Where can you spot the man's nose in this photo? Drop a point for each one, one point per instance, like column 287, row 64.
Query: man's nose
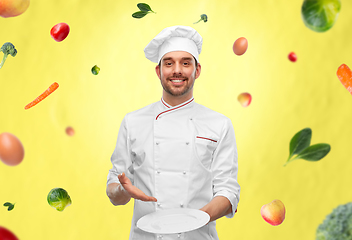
column 177, row 68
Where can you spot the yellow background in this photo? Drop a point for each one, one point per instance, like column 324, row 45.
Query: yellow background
column 287, row 97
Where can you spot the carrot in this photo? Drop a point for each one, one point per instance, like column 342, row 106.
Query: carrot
column 47, row 92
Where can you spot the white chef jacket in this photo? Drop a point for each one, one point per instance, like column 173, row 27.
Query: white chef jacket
column 182, row 155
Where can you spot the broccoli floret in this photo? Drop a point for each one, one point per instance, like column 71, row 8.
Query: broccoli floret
column 337, row 225
column 203, row 17
column 7, row 48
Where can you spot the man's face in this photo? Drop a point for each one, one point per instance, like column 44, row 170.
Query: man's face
column 177, row 73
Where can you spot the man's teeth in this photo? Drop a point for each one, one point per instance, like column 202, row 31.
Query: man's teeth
column 177, row 80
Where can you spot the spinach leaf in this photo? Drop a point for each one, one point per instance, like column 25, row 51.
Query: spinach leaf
column 144, row 10
column 300, row 149
column 139, row 14
column 300, row 141
column 315, row 152
column 9, row 205
column 144, row 7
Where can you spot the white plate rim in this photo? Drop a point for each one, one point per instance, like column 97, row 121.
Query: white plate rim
column 146, row 221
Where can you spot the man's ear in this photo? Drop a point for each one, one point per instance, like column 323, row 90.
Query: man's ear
column 198, row 70
column 157, row 70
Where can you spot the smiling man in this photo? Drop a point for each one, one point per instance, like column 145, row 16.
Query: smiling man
column 179, row 71
column 175, row 153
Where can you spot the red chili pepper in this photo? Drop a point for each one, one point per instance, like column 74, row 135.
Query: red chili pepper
column 60, row 31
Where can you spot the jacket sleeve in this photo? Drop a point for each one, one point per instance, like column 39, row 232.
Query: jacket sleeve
column 121, row 158
column 225, row 167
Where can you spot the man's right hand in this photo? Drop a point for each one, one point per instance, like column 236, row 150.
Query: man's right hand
column 133, row 191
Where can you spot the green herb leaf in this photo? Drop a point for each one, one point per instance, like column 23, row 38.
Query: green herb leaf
column 144, row 7
column 9, row 205
column 300, row 141
column 139, row 14
column 315, row 152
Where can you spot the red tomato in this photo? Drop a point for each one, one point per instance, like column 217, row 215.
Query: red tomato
column 292, row 56
column 6, row 234
column 60, row 31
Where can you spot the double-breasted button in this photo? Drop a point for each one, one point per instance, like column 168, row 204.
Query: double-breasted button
column 157, row 171
column 157, row 143
column 181, row 204
column 159, row 204
column 187, row 143
column 184, row 172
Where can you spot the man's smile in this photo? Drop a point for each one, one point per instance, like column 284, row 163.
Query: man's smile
column 177, row 81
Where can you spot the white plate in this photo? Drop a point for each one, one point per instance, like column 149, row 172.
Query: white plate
column 175, row 220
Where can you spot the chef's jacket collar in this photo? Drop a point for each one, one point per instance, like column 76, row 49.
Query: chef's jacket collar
column 165, row 104
column 167, row 108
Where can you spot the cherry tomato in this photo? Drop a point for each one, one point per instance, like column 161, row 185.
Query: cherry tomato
column 60, row 31
column 292, row 56
column 5, row 234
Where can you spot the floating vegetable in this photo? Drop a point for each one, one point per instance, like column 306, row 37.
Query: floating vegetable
column 42, row 96
column 13, row 8
column 292, row 57
column 203, row 17
column 240, row 46
column 337, row 225
column 95, row 70
column 11, row 149
column 320, row 15
column 144, row 10
column 8, row 49
column 59, row 199
column 6, row 234
column 344, row 74
column 60, row 31
column 299, row 146
column 9, row 205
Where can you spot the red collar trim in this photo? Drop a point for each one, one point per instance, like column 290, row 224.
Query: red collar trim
column 174, row 108
column 164, row 103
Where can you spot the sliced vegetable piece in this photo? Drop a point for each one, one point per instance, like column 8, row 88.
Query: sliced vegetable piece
column 344, row 74
column 42, row 96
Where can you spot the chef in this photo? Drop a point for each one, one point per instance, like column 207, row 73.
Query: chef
column 175, row 153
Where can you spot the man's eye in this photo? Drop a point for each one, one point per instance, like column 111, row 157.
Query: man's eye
column 185, row 63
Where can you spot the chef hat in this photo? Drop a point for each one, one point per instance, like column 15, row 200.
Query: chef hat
column 175, row 38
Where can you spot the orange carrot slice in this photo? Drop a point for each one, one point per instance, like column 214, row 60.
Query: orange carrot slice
column 42, row 96
column 345, row 76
